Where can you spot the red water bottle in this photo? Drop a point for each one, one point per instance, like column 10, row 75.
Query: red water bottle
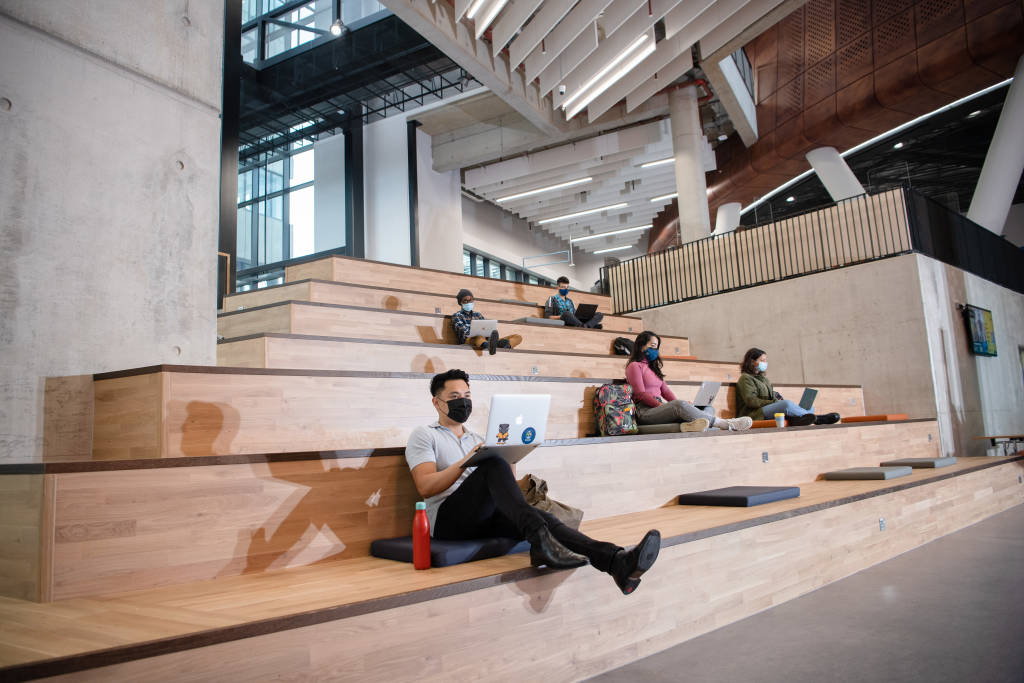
column 421, row 538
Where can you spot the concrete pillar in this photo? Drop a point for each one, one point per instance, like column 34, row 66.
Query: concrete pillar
column 688, row 147
column 835, row 175
column 728, row 218
column 1003, row 163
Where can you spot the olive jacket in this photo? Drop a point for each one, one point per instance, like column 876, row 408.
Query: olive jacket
column 753, row 392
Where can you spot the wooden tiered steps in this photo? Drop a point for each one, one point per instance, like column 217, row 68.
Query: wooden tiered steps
column 378, row 274
column 146, row 523
column 346, row 294
column 173, row 410
column 375, row 620
column 333, row 320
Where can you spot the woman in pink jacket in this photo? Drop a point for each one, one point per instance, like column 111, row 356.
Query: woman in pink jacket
column 655, row 402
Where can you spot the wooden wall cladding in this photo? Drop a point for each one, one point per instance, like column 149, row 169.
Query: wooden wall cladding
column 837, row 72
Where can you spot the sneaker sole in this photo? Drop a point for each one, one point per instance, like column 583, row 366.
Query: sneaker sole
column 698, row 425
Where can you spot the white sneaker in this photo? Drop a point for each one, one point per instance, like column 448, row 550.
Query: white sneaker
column 739, row 424
column 698, row 425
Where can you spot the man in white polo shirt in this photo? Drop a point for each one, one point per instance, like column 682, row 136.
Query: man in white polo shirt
column 486, row 502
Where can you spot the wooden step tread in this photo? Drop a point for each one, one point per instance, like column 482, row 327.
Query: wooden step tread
column 80, row 634
column 75, row 466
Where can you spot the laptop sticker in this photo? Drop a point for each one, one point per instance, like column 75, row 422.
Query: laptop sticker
column 529, row 434
column 502, row 434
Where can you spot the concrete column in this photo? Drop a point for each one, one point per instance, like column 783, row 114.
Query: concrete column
column 728, row 218
column 835, row 175
column 1003, row 163
column 688, row 147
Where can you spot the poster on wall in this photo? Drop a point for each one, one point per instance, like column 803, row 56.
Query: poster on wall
column 981, row 335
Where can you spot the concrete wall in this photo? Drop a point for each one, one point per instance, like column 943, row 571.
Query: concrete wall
column 974, row 395
column 860, row 325
column 386, row 191
column 439, row 211
column 109, row 195
column 1014, row 228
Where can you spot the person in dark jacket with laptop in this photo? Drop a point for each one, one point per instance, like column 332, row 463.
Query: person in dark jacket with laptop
column 757, row 399
column 486, row 502
column 462, row 321
column 560, row 306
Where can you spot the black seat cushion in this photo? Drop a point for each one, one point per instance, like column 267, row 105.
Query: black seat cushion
column 447, row 553
column 740, row 496
column 920, row 462
column 868, row 473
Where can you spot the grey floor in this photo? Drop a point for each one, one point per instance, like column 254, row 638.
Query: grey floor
column 952, row 610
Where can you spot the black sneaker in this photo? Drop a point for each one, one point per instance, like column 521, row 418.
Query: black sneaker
column 492, row 343
column 827, row 419
column 801, row 421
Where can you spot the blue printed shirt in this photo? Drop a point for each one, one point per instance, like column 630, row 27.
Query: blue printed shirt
column 461, row 322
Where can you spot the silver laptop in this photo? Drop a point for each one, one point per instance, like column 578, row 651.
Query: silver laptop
column 516, row 425
column 807, row 400
column 482, row 328
column 706, row 394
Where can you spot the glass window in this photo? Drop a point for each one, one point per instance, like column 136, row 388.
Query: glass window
column 533, row 280
column 351, row 10
column 494, row 270
column 302, row 168
column 316, row 14
column 300, row 217
column 467, row 263
column 510, row 274
column 478, row 266
column 250, row 46
column 275, row 177
column 244, row 228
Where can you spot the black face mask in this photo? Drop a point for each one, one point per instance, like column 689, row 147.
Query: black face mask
column 459, row 409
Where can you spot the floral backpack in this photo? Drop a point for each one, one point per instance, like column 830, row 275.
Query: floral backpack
column 614, row 410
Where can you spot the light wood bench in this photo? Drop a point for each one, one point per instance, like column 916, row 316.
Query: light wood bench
column 847, row 418
column 331, row 320
column 142, row 524
column 172, row 411
column 379, row 274
column 711, row 572
column 325, row 292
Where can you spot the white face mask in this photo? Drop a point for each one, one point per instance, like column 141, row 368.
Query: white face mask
column 762, row 366
column 467, row 307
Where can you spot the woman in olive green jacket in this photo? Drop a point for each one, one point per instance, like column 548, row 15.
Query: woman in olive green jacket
column 757, row 399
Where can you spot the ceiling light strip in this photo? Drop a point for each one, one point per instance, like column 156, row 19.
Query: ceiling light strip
column 609, row 233
column 596, row 78
column 644, row 53
column 474, row 8
column 488, row 17
column 610, row 207
column 605, row 251
column 664, row 197
column 659, row 162
column 549, row 188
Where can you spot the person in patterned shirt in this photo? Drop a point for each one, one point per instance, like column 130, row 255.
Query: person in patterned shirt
column 462, row 320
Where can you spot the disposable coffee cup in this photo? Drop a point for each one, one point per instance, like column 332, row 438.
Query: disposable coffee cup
column 780, row 420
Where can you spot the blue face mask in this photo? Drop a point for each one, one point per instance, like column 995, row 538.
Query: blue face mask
column 467, row 307
column 762, row 367
column 563, row 292
column 652, row 354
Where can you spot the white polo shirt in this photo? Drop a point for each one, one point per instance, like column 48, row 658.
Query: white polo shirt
column 437, row 444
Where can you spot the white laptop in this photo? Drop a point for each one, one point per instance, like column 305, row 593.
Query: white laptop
column 516, row 425
column 706, row 394
column 482, row 328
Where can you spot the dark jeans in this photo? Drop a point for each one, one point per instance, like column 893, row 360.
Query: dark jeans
column 572, row 321
column 490, row 504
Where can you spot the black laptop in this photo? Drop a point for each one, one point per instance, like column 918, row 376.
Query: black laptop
column 585, row 312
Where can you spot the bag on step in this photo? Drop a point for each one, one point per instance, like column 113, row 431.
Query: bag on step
column 535, row 491
column 614, row 410
column 622, row 346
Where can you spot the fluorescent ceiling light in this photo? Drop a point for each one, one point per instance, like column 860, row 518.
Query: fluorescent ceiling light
column 879, row 138
column 659, row 162
column 661, row 198
column 474, row 8
column 549, row 188
column 605, row 251
column 790, row 198
column 587, row 95
column 620, row 205
column 610, row 232
column 898, row 145
column 487, row 18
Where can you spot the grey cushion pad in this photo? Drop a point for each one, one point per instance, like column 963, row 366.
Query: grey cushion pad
column 540, row 321
column 740, row 496
column 670, row 428
column 447, row 553
column 869, row 473
column 920, row 462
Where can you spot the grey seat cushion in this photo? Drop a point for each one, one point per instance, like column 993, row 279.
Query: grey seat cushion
column 920, row 462
column 740, row 496
column 670, row 428
column 868, row 473
column 447, row 553
column 540, row 321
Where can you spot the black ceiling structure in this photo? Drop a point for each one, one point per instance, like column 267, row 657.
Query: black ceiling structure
column 365, row 74
column 940, row 157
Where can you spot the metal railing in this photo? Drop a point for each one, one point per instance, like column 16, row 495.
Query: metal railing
column 858, row 230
